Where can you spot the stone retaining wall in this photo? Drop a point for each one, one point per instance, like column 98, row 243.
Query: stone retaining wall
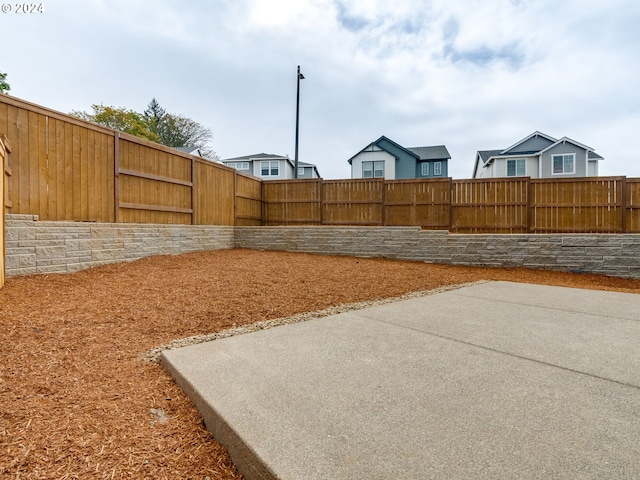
column 609, row 254
column 62, row 247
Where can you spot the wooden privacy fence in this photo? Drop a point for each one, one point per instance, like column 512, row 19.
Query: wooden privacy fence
column 69, row 169
column 64, row 168
column 518, row 205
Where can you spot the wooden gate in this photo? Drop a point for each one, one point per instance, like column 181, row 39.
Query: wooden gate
column 5, row 168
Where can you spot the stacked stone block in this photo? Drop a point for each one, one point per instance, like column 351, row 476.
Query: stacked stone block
column 609, row 254
column 62, row 247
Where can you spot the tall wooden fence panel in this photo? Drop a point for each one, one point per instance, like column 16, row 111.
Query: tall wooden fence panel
column 63, row 167
column 154, row 183
column 418, row 202
column 248, row 200
column 292, row 202
column 589, row 205
column 489, row 206
column 5, row 150
column 353, row 202
column 632, row 216
column 214, row 194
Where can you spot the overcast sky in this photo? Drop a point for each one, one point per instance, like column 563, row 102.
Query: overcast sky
column 469, row 74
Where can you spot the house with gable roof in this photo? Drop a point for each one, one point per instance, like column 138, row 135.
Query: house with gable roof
column 271, row 167
column 538, row 156
column 384, row 158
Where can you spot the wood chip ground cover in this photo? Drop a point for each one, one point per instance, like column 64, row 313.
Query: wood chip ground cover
column 78, row 399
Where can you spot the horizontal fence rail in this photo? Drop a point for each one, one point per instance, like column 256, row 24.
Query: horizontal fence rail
column 62, row 168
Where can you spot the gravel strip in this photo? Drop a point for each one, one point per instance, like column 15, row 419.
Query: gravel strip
column 153, row 355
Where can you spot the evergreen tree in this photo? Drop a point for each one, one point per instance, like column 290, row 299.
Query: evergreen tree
column 4, row 86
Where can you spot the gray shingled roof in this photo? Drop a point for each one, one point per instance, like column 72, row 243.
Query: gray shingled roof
column 256, row 156
column 435, row 152
column 486, row 154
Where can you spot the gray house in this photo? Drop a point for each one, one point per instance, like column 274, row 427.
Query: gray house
column 538, row 156
column 384, row 158
column 271, row 167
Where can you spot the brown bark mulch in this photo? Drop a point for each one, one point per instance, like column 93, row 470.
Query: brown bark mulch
column 77, row 401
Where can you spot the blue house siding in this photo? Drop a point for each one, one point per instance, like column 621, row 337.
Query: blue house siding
column 405, row 162
column 443, row 169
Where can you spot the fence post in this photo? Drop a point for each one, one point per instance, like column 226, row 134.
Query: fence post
column 116, row 176
column 263, row 204
column 384, row 206
column 624, row 204
column 321, row 193
column 193, row 190
column 450, row 204
column 5, row 149
column 528, row 208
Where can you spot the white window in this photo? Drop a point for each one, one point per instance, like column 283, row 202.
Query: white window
column 437, row 169
column 373, row 169
column 300, row 171
column 563, row 164
column 239, row 165
column 425, row 169
column 270, row 169
column 516, row 167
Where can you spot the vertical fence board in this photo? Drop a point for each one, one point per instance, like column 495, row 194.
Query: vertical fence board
column 352, row 202
column 633, row 205
column 292, row 202
column 423, row 203
column 489, row 206
column 248, row 200
column 154, row 184
column 214, row 194
column 584, row 205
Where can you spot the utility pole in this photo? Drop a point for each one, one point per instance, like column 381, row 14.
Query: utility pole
column 300, row 77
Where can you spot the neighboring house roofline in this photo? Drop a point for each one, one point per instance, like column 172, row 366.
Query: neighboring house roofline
column 256, row 156
column 432, row 152
column 483, row 155
column 397, row 145
column 413, row 154
column 484, row 158
column 309, row 165
column 513, row 155
column 567, row 140
column 486, row 155
column 189, row 150
column 536, row 133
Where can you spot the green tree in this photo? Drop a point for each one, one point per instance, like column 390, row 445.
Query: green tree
column 4, row 86
column 121, row 119
column 154, row 115
column 178, row 131
column 154, row 124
